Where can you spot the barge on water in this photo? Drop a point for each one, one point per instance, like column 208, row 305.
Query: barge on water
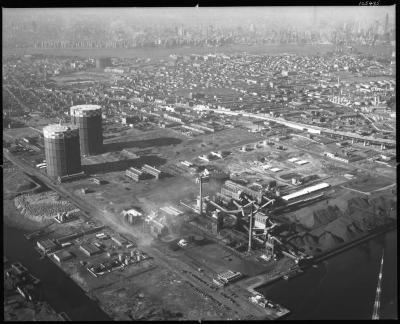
column 292, row 273
column 33, row 235
column 273, row 310
column 24, row 282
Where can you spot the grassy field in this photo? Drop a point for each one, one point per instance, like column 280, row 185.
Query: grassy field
column 369, row 183
column 19, row 133
column 82, row 76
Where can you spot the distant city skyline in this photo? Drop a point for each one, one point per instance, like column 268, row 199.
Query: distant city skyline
column 216, row 15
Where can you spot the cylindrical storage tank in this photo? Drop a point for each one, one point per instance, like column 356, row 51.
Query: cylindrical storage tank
column 88, row 119
column 62, row 149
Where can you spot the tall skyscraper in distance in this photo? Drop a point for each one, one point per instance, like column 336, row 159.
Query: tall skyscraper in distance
column 386, row 26
column 314, row 17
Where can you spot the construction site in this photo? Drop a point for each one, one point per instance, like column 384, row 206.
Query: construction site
column 221, row 213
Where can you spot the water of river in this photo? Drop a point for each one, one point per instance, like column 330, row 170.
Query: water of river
column 163, row 53
column 344, row 286
column 59, row 290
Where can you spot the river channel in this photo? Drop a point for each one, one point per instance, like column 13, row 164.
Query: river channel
column 344, row 286
column 59, row 290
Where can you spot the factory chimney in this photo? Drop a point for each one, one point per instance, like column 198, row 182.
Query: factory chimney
column 250, row 227
column 201, row 196
column 202, row 178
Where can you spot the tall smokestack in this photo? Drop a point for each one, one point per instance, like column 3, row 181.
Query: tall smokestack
column 201, row 196
column 250, row 227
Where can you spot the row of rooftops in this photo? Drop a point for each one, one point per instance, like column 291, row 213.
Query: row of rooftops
column 250, row 74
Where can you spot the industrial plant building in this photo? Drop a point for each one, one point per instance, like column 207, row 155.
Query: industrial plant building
column 234, row 190
column 46, row 246
column 134, row 174
column 89, row 121
column 89, row 249
column 62, row 150
column 305, row 191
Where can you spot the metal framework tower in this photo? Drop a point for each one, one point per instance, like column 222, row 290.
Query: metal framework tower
column 375, row 314
column 269, row 247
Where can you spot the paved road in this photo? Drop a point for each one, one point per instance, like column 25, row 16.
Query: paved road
column 309, row 127
column 17, row 100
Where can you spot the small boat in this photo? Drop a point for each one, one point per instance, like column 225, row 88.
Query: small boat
column 34, row 280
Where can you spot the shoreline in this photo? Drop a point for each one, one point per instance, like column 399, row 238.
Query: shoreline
column 35, row 262
column 21, row 223
column 263, row 280
column 159, row 53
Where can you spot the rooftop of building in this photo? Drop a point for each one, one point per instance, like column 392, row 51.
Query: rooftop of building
column 57, row 129
column 85, row 107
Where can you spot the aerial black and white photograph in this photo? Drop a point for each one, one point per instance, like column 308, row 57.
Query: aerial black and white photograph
column 199, row 163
